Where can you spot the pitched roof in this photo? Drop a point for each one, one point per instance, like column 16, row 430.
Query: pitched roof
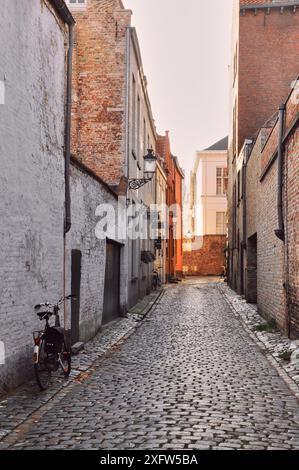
column 220, row 145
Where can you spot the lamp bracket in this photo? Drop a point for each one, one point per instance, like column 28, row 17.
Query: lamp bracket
column 136, row 183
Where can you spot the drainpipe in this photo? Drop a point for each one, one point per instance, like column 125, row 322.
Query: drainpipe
column 68, row 120
column 68, row 19
column 126, row 253
column 67, row 160
column 66, row 16
column 248, row 143
column 280, row 233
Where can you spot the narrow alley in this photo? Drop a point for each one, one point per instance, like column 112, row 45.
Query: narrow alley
column 190, row 377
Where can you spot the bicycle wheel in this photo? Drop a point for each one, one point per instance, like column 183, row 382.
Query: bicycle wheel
column 41, row 371
column 65, row 361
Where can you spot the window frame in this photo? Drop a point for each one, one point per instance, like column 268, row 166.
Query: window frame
column 222, row 178
column 77, row 4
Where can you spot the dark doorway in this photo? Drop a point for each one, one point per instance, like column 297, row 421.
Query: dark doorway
column 76, row 287
column 111, row 308
column 251, row 296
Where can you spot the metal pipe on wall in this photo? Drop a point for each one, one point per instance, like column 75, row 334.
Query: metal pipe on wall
column 279, row 232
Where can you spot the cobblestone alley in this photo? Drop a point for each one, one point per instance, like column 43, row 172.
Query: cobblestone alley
column 190, row 377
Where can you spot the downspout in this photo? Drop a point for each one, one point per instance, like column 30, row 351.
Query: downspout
column 244, row 229
column 280, row 233
column 127, row 154
column 68, row 122
column 68, row 19
column 244, row 198
column 67, row 161
column 127, row 101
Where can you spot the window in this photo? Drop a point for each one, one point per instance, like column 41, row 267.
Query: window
column 222, row 181
column 234, row 228
column 144, row 138
column 235, row 65
column 239, row 186
column 138, row 144
column 134, row 133
column 77, row 3
column 234, row 143
column 221, row 224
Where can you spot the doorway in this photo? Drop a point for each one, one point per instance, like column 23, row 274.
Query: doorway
column 252, row 270
column 111, row 307
column 76, row 290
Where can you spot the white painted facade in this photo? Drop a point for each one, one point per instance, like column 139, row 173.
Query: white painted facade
column 210, row 201
column 32, row 125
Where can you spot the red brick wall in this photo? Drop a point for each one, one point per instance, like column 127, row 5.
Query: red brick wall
column 271, row 143
column 99, row 88
column 278, row 268
column 292, row 230
column 268, row 63
column 270, row 253
column 209, row 260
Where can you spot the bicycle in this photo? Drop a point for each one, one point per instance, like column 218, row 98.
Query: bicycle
column 50, row 349
column 156, row 281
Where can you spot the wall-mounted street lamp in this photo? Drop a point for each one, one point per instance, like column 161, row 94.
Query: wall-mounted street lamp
column 150, row 166
column 189, row 235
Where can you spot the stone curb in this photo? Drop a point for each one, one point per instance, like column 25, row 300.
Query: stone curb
column 238, row 306
column 11, row 436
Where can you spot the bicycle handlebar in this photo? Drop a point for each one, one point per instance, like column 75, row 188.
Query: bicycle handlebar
column 47, row 304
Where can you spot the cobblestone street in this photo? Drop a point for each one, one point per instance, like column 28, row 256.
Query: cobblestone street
column 190, row 377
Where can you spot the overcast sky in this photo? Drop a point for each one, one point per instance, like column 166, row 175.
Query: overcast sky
column 186, row 53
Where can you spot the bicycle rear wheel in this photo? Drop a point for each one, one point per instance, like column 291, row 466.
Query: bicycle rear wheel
column 41, row 371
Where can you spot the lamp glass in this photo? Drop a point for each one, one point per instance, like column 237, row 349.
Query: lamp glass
column 150, row 165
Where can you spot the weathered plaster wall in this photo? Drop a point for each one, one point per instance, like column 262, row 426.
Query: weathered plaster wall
column 32, row 175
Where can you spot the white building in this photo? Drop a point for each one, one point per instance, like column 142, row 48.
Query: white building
column 209, row 181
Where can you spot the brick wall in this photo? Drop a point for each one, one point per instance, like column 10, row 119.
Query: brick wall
column 100, row 88
column 270, row 253
column 32, row 190
column 268, row 63
column 209, row 260
column 31, row 177
column 87, row 193
column 292, row 229
column 174, row 250
column 266, row 57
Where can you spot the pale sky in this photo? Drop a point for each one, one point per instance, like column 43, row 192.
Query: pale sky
column 185, row 49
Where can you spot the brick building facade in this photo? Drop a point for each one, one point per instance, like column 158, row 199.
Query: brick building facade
column 113, row 125
column 37, row 258
column 174, row 201
column 264, row 64
column 262, row 238
column 205, row 249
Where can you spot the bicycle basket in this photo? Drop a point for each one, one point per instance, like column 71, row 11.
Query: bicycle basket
column 54, row 338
